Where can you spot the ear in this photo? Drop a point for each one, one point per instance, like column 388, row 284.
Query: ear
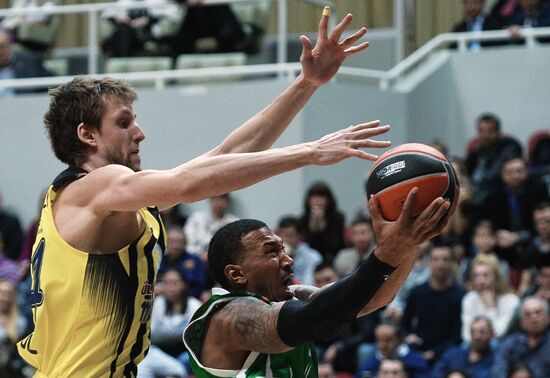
column 86, row 134
column 235, row 275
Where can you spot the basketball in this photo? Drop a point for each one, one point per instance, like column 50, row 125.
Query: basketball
column 400, row 169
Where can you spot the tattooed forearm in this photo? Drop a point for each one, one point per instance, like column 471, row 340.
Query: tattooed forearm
column 252, row 325
column 303, row 292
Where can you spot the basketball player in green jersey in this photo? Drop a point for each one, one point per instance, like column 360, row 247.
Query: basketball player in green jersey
column 100, row 238
column 257, row 325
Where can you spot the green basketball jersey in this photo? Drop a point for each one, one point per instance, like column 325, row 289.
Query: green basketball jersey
column 300, row 362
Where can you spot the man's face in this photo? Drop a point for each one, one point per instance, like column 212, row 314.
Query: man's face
column 534, row 317
column 541, row 218
column 472, row 8
column 484, row 239
column 487, row 133
column 514, row 173
column 119, row 136
column 387, row 340
column 529, row 6
column 266, row 266
column 441, row 263
column 5, row 50
column 325, row 276
column 175, row 243
column 481, row 335
column 391, row 369
column 361, row 236
column 219, row 205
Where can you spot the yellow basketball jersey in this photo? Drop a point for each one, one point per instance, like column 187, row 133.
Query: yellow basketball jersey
column 91, row 312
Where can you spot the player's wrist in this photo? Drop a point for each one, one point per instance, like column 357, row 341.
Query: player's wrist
column 306, row 83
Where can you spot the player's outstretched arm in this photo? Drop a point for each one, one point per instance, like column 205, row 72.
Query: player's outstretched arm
column 319, row 64
column 116, row 188
column 398, row 242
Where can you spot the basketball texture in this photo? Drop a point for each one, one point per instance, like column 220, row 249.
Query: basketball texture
column 402, row 168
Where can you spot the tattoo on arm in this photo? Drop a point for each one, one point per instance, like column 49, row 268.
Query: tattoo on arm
column 251, row 324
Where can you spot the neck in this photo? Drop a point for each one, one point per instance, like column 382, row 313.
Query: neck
column 441, row 283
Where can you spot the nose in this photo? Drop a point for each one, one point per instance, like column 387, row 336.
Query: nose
column 140, row 135
column 287, row 262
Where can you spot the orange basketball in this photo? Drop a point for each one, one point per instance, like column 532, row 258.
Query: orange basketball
column 400, row 169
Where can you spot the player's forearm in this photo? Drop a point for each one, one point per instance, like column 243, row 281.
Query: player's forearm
column 214, row 175
column 262, row 130
column 303, row 292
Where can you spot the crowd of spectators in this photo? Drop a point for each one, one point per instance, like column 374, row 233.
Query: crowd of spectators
column 476, row 302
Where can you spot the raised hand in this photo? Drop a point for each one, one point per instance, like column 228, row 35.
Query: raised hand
column 348, row 142
column 320, row 63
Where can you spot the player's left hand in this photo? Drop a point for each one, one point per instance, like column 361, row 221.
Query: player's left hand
column 320, row 63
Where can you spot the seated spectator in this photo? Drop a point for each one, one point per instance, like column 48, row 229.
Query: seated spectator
column 475, row 20
column 324, row 275
column 12, row 328
column 483, row 243
column 172, row 312
column 419, row 274
column 486, row 153
column 458, row 374
column 362, row 244
column 201, row 225
column 202, row 21
column 389, row 345
column 306, row 259
column 510, row 208
column 541, row 286
column 520, row 371
column 128, row 32
column 475, row 358
column 432, row 312
column 530, row 345
column 9, row 270
column 10, row 227
column 325, row 370
column 537, row 253
column 529, row 14
column 322, row 223
column 392, row 368
column 174, row 216
column 35, row 32
column 490, row 296
column 176, row 256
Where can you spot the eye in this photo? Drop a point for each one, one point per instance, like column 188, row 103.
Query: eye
column 124, row 123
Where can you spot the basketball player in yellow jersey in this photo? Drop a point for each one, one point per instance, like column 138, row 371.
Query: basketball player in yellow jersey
column 100, row 238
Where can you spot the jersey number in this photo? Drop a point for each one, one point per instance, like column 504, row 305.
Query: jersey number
column 37, row 296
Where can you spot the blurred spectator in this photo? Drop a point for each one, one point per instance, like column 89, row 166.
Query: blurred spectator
column 9, row 269
column 10, row 228
column 139, row 31
column 174, row 216
column 432, row 313
column 529, row 14
column 35, row 32
column 324, row 275
column 325, row 370
column 322, row 223
column 475, row 20
column 201, row 225
column 537, row 253
column 176, row 256
column 459, row 373
column 18, row 65
column 520, row 371
column 12, row 328
column 503, row 10
column 475, row 358
column 392, row 368
column 530, row 345
column 389, row 345
column 491, row 296
column 486, row 153
column 484, row 242
column 419, row 274
column 306, row 259
column 172, row 312
column 362, row 240
column 510, row 208
column 202, row 21
column 541, row 286
column 538, row 152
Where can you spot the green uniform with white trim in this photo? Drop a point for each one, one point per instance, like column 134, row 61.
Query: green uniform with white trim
column 300, row 362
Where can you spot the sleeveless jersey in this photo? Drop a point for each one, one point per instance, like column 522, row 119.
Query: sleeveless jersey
column 91, row 312
column 301, row 362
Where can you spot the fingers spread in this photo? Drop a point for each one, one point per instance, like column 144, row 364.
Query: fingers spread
column 374, row 208
column 339, row 29
column 323, row 24
column 364, row 125
column 354, row 38
column 363, row 155
column 410, row 201
column 356, row 49
column 306, row 46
